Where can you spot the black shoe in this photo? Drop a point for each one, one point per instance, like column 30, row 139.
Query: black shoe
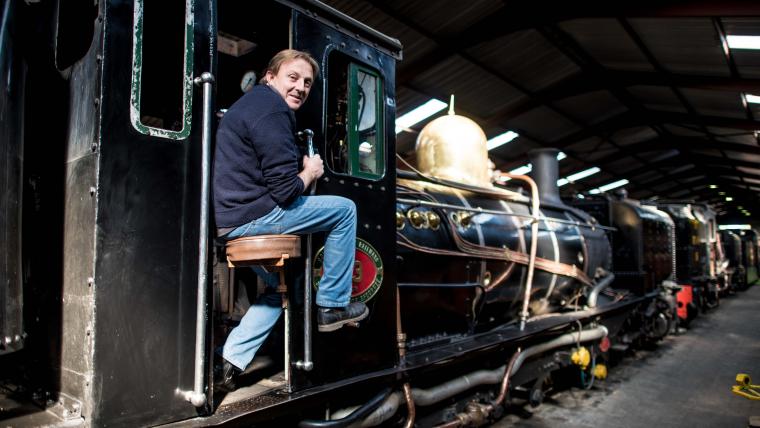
column 226, row 381
column 331, row 319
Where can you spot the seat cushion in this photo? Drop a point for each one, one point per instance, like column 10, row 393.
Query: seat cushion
column 263, row 248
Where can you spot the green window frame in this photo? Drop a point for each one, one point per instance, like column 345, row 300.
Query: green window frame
column 366, row 145
column 187, row 77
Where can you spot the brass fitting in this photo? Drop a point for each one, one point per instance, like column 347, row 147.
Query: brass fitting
column 417, row 218
column 400, row 220
column 433, row 220
column 461, row 218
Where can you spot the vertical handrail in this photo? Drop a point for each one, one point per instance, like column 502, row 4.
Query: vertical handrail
column 198, row 396
column 307, row 364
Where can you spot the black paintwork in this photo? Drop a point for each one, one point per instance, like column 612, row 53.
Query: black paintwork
column 641, row 244
column 13, row 73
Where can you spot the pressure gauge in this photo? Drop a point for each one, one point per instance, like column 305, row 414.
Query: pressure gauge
column 248, row 81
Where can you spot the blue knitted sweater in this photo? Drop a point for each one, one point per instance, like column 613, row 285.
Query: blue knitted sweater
column 256, row 161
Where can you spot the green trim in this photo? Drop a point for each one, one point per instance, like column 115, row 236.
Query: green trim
column 353, row 124
column 136, row 85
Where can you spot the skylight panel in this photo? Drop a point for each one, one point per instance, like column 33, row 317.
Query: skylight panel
column 610, row 186
column 577, row 176
column 419, row 114
column 501, row 139
column 743, row 42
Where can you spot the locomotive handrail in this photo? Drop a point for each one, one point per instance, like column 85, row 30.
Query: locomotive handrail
column 495, row 212
column 197, row 396
column 307, row 364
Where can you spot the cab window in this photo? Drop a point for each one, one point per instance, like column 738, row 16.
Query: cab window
column 354, row 129
column 162, row 67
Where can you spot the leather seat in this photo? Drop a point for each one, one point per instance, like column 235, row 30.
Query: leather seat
column 264, row 250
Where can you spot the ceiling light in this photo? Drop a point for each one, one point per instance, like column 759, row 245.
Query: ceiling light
column 734, row 227
column 729, row 199
column 561, row 155
column 721, row 193
column 743, row 42
column 754, row 99
column 501, row 139
column 713, row 186
column 610, row 186
column 419, row 114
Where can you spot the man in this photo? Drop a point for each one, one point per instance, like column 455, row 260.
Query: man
column 258, row 190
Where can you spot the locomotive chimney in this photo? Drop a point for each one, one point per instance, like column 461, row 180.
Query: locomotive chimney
column 545, row 173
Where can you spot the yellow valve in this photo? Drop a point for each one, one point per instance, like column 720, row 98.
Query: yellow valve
column 600, row 371
column 745, row 388
column 581, row 357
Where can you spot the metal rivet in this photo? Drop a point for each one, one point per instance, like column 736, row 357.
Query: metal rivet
column 379, row 227
column 328, row 37
column 366, row 225
column 356, row 184
column 382, row 188
column 342, row 45
column 369, row 186
column 341, row 181
column 326, row 179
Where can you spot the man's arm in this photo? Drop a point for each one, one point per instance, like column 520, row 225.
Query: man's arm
column 277, row 153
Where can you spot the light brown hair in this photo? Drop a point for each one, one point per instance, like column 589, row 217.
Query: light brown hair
column 286, row 55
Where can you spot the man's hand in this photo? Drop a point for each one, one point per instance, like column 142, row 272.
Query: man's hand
column 313, row 168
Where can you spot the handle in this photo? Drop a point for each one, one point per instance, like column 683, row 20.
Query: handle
column 197, row 396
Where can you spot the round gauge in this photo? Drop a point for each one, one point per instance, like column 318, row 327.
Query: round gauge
column 248, row 80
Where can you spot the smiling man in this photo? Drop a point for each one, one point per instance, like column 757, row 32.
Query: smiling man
column 258, row 190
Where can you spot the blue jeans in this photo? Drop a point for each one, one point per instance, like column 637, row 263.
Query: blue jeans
column 307, row 214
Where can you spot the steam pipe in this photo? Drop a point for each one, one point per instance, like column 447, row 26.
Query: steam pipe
column 426, row 397
column 600, row 285
column 535, row 204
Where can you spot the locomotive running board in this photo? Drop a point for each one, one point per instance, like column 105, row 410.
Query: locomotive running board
column 278, row 403
column 511, row 333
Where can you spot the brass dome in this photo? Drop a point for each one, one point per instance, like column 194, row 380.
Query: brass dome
column 453, row 147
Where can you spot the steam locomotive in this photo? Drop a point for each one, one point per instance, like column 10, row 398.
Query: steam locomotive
column 114, row 295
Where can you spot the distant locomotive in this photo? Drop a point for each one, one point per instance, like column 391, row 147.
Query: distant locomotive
column 643, row 255
column 113, row 295
column 734, row 253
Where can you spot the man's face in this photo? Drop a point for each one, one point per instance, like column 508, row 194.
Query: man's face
column 293, row 81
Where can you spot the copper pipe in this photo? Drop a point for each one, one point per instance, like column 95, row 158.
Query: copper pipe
column 505, row 380
column 535, row 204
column 411, row 412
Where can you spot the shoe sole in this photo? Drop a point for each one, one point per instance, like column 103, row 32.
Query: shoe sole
column 336, row 325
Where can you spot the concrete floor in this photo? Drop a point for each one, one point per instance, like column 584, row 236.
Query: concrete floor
column 685, row 382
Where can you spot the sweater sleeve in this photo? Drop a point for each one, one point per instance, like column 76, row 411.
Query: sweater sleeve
column 273, row 140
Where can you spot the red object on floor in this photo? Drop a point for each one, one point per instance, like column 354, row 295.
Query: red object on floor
column 684, row 297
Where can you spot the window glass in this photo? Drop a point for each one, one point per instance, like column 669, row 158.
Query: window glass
column 162, row 67
column 354, row 131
